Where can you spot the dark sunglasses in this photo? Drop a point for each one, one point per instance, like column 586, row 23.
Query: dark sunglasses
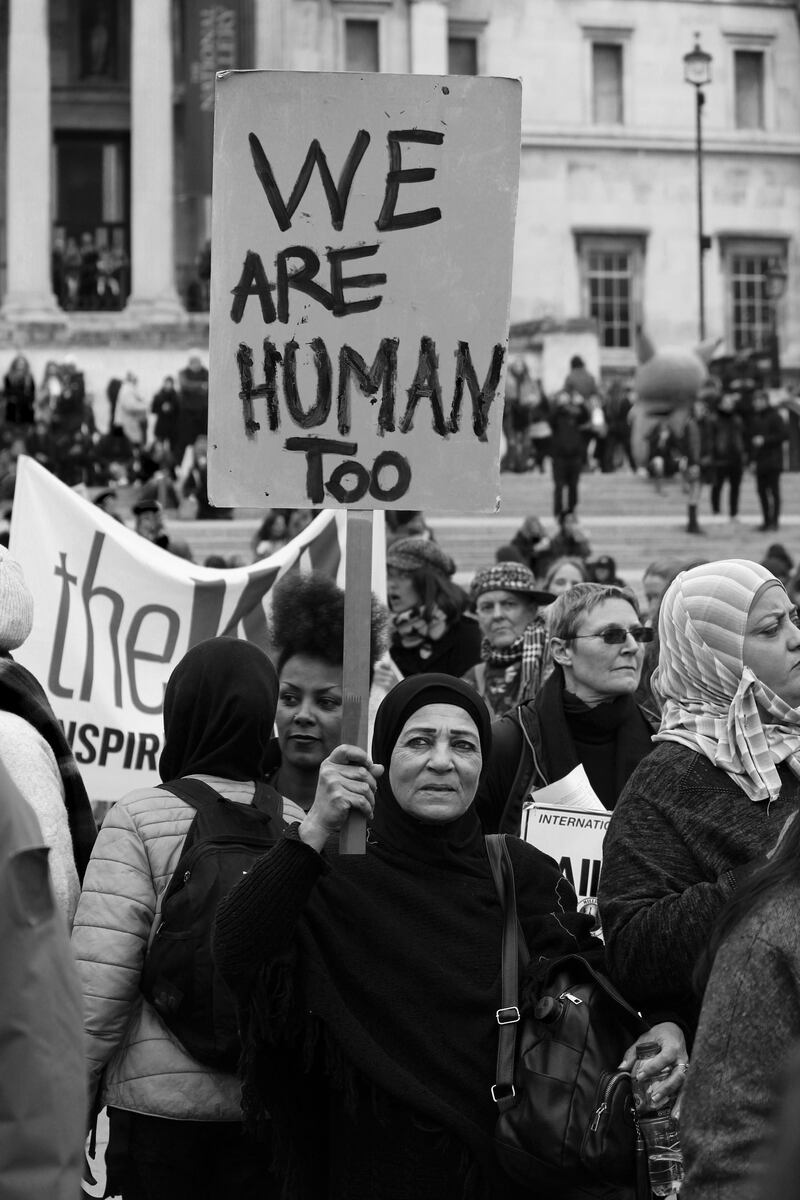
column 615, row 635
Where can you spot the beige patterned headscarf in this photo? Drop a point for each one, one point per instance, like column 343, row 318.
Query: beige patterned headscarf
column 710, row 700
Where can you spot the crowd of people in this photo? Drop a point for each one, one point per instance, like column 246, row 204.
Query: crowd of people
column 53, row 419
column 366, row 986
column 731, row 428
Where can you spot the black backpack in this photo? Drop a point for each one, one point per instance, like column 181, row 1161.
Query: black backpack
column 179, row 977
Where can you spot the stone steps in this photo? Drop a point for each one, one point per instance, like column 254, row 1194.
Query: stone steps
column 622, row 515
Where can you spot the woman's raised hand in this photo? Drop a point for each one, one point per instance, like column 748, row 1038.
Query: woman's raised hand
column 347, row 781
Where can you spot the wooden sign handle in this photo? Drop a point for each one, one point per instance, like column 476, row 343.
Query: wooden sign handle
column 356, row 673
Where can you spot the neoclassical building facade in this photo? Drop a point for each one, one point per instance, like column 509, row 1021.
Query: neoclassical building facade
column 105, row 155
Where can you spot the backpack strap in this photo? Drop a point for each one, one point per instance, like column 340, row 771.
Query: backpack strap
column 508, row 1016
column 194, row 791
column 199, row 795
column 268, row 800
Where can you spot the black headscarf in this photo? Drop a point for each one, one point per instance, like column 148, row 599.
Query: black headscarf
column 392, row 827
column 219, row 709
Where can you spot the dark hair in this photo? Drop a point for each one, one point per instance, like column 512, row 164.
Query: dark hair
column 308, row 618
column 509, row 553
column 437, row 591
column 757, row 889
column 397, row 517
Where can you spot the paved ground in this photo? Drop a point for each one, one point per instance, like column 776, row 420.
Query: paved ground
column 622, row 514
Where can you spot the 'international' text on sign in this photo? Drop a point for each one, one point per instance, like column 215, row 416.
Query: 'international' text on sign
column 362, row 244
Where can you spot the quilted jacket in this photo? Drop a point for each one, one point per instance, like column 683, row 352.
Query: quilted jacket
column 146, row 1069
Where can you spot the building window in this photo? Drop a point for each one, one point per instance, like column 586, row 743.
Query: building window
column 749, row 305
column 748, row 74
column 607, row 83
column 361, row 45
column 462, row 55
column 610, row 274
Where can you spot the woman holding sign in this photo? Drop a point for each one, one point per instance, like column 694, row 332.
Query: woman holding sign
column 700, row 813
column 371, row 983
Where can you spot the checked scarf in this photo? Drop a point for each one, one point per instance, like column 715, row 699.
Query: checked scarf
column 527, row 652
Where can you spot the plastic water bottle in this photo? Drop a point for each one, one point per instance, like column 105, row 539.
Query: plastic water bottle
column 659, row 1129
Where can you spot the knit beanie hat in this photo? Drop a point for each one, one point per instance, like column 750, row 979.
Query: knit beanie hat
column 16, row 604
column 509, row 577
column 416, row 553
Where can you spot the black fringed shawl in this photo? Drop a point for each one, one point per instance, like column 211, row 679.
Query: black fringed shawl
column 390, row 973
column 23, row 695
column 610, row 738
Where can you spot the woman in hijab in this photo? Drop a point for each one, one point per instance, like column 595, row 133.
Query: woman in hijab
column 175, row 1124
column 371, row 982
column 706, row 805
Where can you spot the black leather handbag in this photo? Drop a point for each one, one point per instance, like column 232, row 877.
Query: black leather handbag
column 565, row 1115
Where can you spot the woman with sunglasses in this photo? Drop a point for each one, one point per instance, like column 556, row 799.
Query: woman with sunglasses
column 707, row 805
column 585, row 713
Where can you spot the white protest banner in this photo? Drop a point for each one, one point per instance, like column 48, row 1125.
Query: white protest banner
column 113, row 614
column 362, row 239
column 574, row 838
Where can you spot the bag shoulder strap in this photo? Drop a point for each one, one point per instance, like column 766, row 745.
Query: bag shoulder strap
column 503, row 1092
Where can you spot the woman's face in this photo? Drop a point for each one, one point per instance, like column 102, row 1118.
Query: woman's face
column 436, row 763
column 593, row 670
column 772, row 644
column 565, row 578
column 503, row 616
column 400, row 591
column 309, row 713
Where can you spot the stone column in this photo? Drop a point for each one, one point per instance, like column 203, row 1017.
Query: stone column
column 29, row 292
column 428, row 37
column 153, row 294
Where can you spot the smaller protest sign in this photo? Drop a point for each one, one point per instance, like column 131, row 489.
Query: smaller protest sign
column 574, row 838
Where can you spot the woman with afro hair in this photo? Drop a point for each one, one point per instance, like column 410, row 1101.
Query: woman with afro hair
column 307, row 633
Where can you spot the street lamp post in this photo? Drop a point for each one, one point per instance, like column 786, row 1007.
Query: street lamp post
column 697, row 71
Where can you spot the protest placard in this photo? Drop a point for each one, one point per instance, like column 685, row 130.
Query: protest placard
column 574, row 838
column 362, row 238
column 114, row 614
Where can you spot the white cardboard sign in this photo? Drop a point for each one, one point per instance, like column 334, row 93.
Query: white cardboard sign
column 362, row 240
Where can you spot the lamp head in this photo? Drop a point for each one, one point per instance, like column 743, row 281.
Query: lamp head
column 697, row 65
